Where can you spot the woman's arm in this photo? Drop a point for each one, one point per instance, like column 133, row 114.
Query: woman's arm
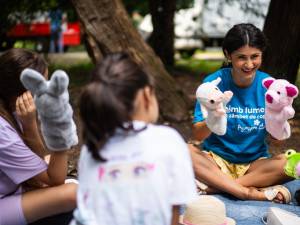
column 57, row 168
column 200, row 131
column 34, row 140
column 175, row 215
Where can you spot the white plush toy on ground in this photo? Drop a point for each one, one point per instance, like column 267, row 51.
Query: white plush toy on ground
column 213, row 105
column 54, row 111
column 279, row 99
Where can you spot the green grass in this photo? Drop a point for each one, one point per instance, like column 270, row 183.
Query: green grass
column 25, row 44
column 198, row 66
column 32, row 46
column 79, row 74
column 78, row 48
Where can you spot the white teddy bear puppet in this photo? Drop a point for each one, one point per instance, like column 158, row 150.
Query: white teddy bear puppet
column 212, row 102
column 279, row 99
column 54, row 111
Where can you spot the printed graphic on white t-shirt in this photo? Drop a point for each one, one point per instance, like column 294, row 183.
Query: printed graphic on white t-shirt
column 144, row 177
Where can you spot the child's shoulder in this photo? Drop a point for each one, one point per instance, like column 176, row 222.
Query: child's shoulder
column 222, row 73
column 162, row 130
column 162, row 135
column 163, row 141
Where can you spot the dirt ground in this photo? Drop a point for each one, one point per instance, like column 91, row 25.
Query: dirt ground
column 189, row 83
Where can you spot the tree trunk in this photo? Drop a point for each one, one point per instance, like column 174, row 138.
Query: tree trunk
column 108, row 29
column 282, row 28
column 162, row 37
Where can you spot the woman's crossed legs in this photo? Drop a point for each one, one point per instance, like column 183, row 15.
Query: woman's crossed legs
column 261, row 173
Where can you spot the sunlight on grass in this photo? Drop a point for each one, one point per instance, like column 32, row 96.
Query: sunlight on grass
column 199, row 66
column 78, row 48
column 25, row 44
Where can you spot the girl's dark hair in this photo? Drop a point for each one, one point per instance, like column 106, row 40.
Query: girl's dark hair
column 244, row 34
column 107, row 103
column 12, row 63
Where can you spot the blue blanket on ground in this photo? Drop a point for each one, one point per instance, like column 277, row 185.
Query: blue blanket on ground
column 251, row 212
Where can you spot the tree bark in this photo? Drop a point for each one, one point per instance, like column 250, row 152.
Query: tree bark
column 282, row 28
column 162, row 37
column 108, row 29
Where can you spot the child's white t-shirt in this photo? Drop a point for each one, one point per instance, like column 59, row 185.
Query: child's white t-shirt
column 146, row 173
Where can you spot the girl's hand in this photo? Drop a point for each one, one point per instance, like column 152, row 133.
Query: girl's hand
column 26, row 110
column 26, row 113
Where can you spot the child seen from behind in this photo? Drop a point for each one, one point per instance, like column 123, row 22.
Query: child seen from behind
column 130, row 170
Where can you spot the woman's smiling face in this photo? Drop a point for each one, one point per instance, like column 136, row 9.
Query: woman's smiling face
column 245, row 61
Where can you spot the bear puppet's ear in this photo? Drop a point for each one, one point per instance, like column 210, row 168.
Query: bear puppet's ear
column 59, row 82
column 33, row 81
column 267, row 82
column 292, row 90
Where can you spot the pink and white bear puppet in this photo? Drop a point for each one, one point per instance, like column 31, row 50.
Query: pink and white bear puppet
column 278, row 109
column 213, row 105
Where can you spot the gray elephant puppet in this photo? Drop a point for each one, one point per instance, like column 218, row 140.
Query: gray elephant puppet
column 54, row 110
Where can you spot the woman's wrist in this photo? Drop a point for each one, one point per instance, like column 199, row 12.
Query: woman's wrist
column 200, row 131
column 34, row 139
column 58, row 157
column 61, row 153
column 30, row 127
column 58, row 167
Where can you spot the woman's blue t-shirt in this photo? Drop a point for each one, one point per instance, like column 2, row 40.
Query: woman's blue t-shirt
column 244, row 140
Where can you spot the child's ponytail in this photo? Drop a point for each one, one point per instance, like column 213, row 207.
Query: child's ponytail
column 107, row 102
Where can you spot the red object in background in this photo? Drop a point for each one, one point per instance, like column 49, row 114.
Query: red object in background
column 30, row 30
column 71, row 36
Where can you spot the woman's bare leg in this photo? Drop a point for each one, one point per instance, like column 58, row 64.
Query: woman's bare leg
column 265, row 172
column 208, row 172
column 50, row 201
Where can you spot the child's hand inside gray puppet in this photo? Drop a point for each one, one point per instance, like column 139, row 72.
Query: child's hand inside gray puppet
column 54, row 111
